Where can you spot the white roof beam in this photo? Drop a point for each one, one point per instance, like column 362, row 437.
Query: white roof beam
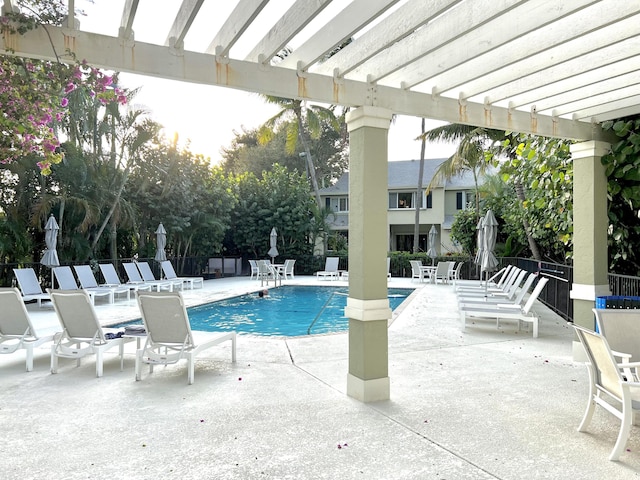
column 242, row 16
column 126, row 21
column 613, row 60
column 491, row 72
column 492, row 46
column 291, row 23
column 154, row 60
column 400, row 24
column 343, row 26
column 439, row 33
column 588, row 93
column 600, row 98
column 608, row 111
column 182, row 23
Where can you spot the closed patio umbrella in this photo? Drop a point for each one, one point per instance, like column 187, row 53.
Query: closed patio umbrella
column 273, row 239
column 490, row 234
column 431, row 244
column 161, row 243
column 479, row 241
column 50, row 255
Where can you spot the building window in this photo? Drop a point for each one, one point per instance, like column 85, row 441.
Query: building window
column 407, row 200
column 343, row 204
column 459, row 200
column 337, row 204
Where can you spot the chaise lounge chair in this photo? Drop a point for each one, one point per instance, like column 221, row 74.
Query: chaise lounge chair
column 82, row 334
column 16, row 329
column 88, row 282
column 133, row 274
column 507, row 311
column 66, row 281
column 609, row 386
column 169, row 335
column 330, row 269
column 112, row 279
column 170, row 274
column 493, row 300
column 149, row 277
column 30, row 286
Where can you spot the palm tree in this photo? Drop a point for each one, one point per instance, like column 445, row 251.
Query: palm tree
column 416, row 226
column 307, row 123
column 476, row 150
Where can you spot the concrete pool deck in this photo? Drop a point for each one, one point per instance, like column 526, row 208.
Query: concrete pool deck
column 475, row 404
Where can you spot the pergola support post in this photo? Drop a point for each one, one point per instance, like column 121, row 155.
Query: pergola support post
column 590, row 223
column 368, row 304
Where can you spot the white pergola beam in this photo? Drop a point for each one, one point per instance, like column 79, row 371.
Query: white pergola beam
column 495, row 71
column 492, row 47
column 182, row 23
column 153, row 60
column 436, row 34
column 242, row 16
column 407, row 18
column 289, row 25
column 343, row 26
column 126, row 21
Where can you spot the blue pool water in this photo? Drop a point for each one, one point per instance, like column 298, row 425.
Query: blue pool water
column 286, row 311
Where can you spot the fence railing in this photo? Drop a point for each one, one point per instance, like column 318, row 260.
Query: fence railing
column 556, row 295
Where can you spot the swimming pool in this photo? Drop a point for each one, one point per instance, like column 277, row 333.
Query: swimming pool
column 287, row 311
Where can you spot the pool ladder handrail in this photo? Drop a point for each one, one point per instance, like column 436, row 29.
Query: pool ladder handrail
column 322, row 310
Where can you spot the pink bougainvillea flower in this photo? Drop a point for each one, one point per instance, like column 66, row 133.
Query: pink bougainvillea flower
column 64, row 102
column 69, row 88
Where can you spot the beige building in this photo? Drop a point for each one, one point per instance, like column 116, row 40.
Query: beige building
column 438, row 208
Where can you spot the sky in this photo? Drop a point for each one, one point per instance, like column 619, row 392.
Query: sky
column 206, row 115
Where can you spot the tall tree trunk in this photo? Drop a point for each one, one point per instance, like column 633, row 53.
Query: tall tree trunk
column 113, row 240
column 416, row 225
column 312, row 169
column 533, row 246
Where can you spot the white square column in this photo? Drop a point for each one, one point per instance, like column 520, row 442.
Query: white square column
column 368, row 304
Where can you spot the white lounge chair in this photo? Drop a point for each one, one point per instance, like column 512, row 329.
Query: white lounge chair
column 30, row 286
column 149, row 277
column 507, row 311
column 508, row 290
column 489, row 300
column 112, row 279
column 502, row 285
column 82, row 334
column 170, row 274
column 169, row 335
column 135, row 278
column 330, row 269
column 88, row 282
column 609, row 387
column 66, row 281
column 16, row 329
column 495, row 280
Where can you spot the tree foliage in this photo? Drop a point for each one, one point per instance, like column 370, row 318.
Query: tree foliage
column 623, row 171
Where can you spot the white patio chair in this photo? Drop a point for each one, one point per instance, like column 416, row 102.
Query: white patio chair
column 507, row 311
column 66, row 281
column 330, row 269
column 170, row 274
column 30, row 286
column 288, row 269
column 417, row 271
column 169, row 335
column 82, row 335
column 621, row 328
column 266, row 273
column 88, row 282
column 254, row 268
column 16, row 329
column 609, row 387
column 442, row 272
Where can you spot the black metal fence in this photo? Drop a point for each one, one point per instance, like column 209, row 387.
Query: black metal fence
column 556, row 295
